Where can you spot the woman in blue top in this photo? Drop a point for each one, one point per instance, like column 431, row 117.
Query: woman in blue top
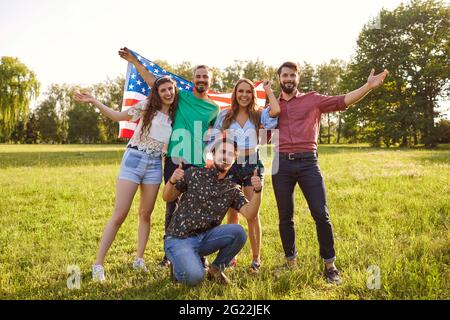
column 243, row 121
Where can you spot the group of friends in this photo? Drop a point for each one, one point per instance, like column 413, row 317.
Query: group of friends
column 181, row 129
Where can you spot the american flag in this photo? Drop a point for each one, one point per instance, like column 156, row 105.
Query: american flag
column 136, row 90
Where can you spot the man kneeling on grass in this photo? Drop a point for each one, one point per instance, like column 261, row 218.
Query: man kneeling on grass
column 195, row 229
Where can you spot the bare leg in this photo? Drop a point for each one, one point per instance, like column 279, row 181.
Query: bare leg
column 232, row 216
column 149, row 192
column 254, row 229
column 125, row 191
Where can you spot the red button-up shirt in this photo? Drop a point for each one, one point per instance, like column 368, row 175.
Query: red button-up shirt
column 299, row 120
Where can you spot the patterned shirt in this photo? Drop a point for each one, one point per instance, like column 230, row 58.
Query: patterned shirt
column 204, row 202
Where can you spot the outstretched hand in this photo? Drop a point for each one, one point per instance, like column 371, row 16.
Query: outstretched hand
column 374, row 81
column 84, row 97
column 126, row 54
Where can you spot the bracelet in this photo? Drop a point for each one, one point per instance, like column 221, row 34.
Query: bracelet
column 257, row 191
column 170, row 181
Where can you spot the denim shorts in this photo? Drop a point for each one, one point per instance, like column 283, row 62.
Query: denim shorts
column 241, row 171
column 140, row 167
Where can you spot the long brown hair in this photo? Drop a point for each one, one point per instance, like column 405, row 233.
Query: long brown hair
column 154, row 103
column 254, row 111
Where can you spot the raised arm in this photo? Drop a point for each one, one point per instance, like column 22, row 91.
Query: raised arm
column 273, row 101
column 373, row 82
column 114, row 115
column 148, row 77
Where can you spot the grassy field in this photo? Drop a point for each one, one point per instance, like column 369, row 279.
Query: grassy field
column 389, row 208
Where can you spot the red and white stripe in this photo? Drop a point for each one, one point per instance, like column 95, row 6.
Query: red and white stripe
column 126, row 128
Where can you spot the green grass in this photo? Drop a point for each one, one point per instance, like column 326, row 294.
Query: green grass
column 390, row 208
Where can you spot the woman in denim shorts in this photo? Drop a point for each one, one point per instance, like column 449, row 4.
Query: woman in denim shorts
column 141, row 165
column 243, row 121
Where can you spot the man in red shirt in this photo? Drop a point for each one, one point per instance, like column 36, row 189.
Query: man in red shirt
column 296, row 151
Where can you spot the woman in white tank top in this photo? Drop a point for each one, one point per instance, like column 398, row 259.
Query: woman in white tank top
column 141, row 165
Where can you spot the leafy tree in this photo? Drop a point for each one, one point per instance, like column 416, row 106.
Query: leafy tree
column 184, row 69
column 110, row 92
column 61, row 96
column 443, row 129
column 232, row 74
column 47, row 121
column 18, row 86
column 412, row 42
column 307, row 81
column 32, row 134
column 83, row 124
column 328, row 77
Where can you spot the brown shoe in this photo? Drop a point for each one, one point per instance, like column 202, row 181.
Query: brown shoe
column 164, row 263
column 291, row 263
column 333, row 276
column 218, row 277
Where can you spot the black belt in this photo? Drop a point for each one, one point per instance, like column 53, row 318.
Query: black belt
column 133, row 147
column 298, row 155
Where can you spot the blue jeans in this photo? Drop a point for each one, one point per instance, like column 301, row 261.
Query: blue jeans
column 185, row 253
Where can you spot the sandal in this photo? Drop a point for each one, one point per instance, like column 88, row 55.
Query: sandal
column 255, row 267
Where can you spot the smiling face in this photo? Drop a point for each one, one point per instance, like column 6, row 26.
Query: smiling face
column 202, row 79
column 289, row 80
column 244, row 94
column 166, row 91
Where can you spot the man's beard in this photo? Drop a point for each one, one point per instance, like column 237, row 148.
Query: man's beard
column 288, row 90
column 221, row 167
column 201, row 89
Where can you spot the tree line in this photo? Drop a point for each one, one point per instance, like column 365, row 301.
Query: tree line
column 411, row 41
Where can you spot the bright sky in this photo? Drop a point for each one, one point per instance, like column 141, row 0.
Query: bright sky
column 77, row 41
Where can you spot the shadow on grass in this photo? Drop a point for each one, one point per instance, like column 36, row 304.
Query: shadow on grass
column 333, row 149
column 123, row 283
column 136, row 287
column 435, row 158
column 142, row 288
column 107, row 157
column 440, row 152
column 59, row 159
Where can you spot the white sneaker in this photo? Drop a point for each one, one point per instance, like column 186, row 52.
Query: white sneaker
column 139, row 264
column 98, row 273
